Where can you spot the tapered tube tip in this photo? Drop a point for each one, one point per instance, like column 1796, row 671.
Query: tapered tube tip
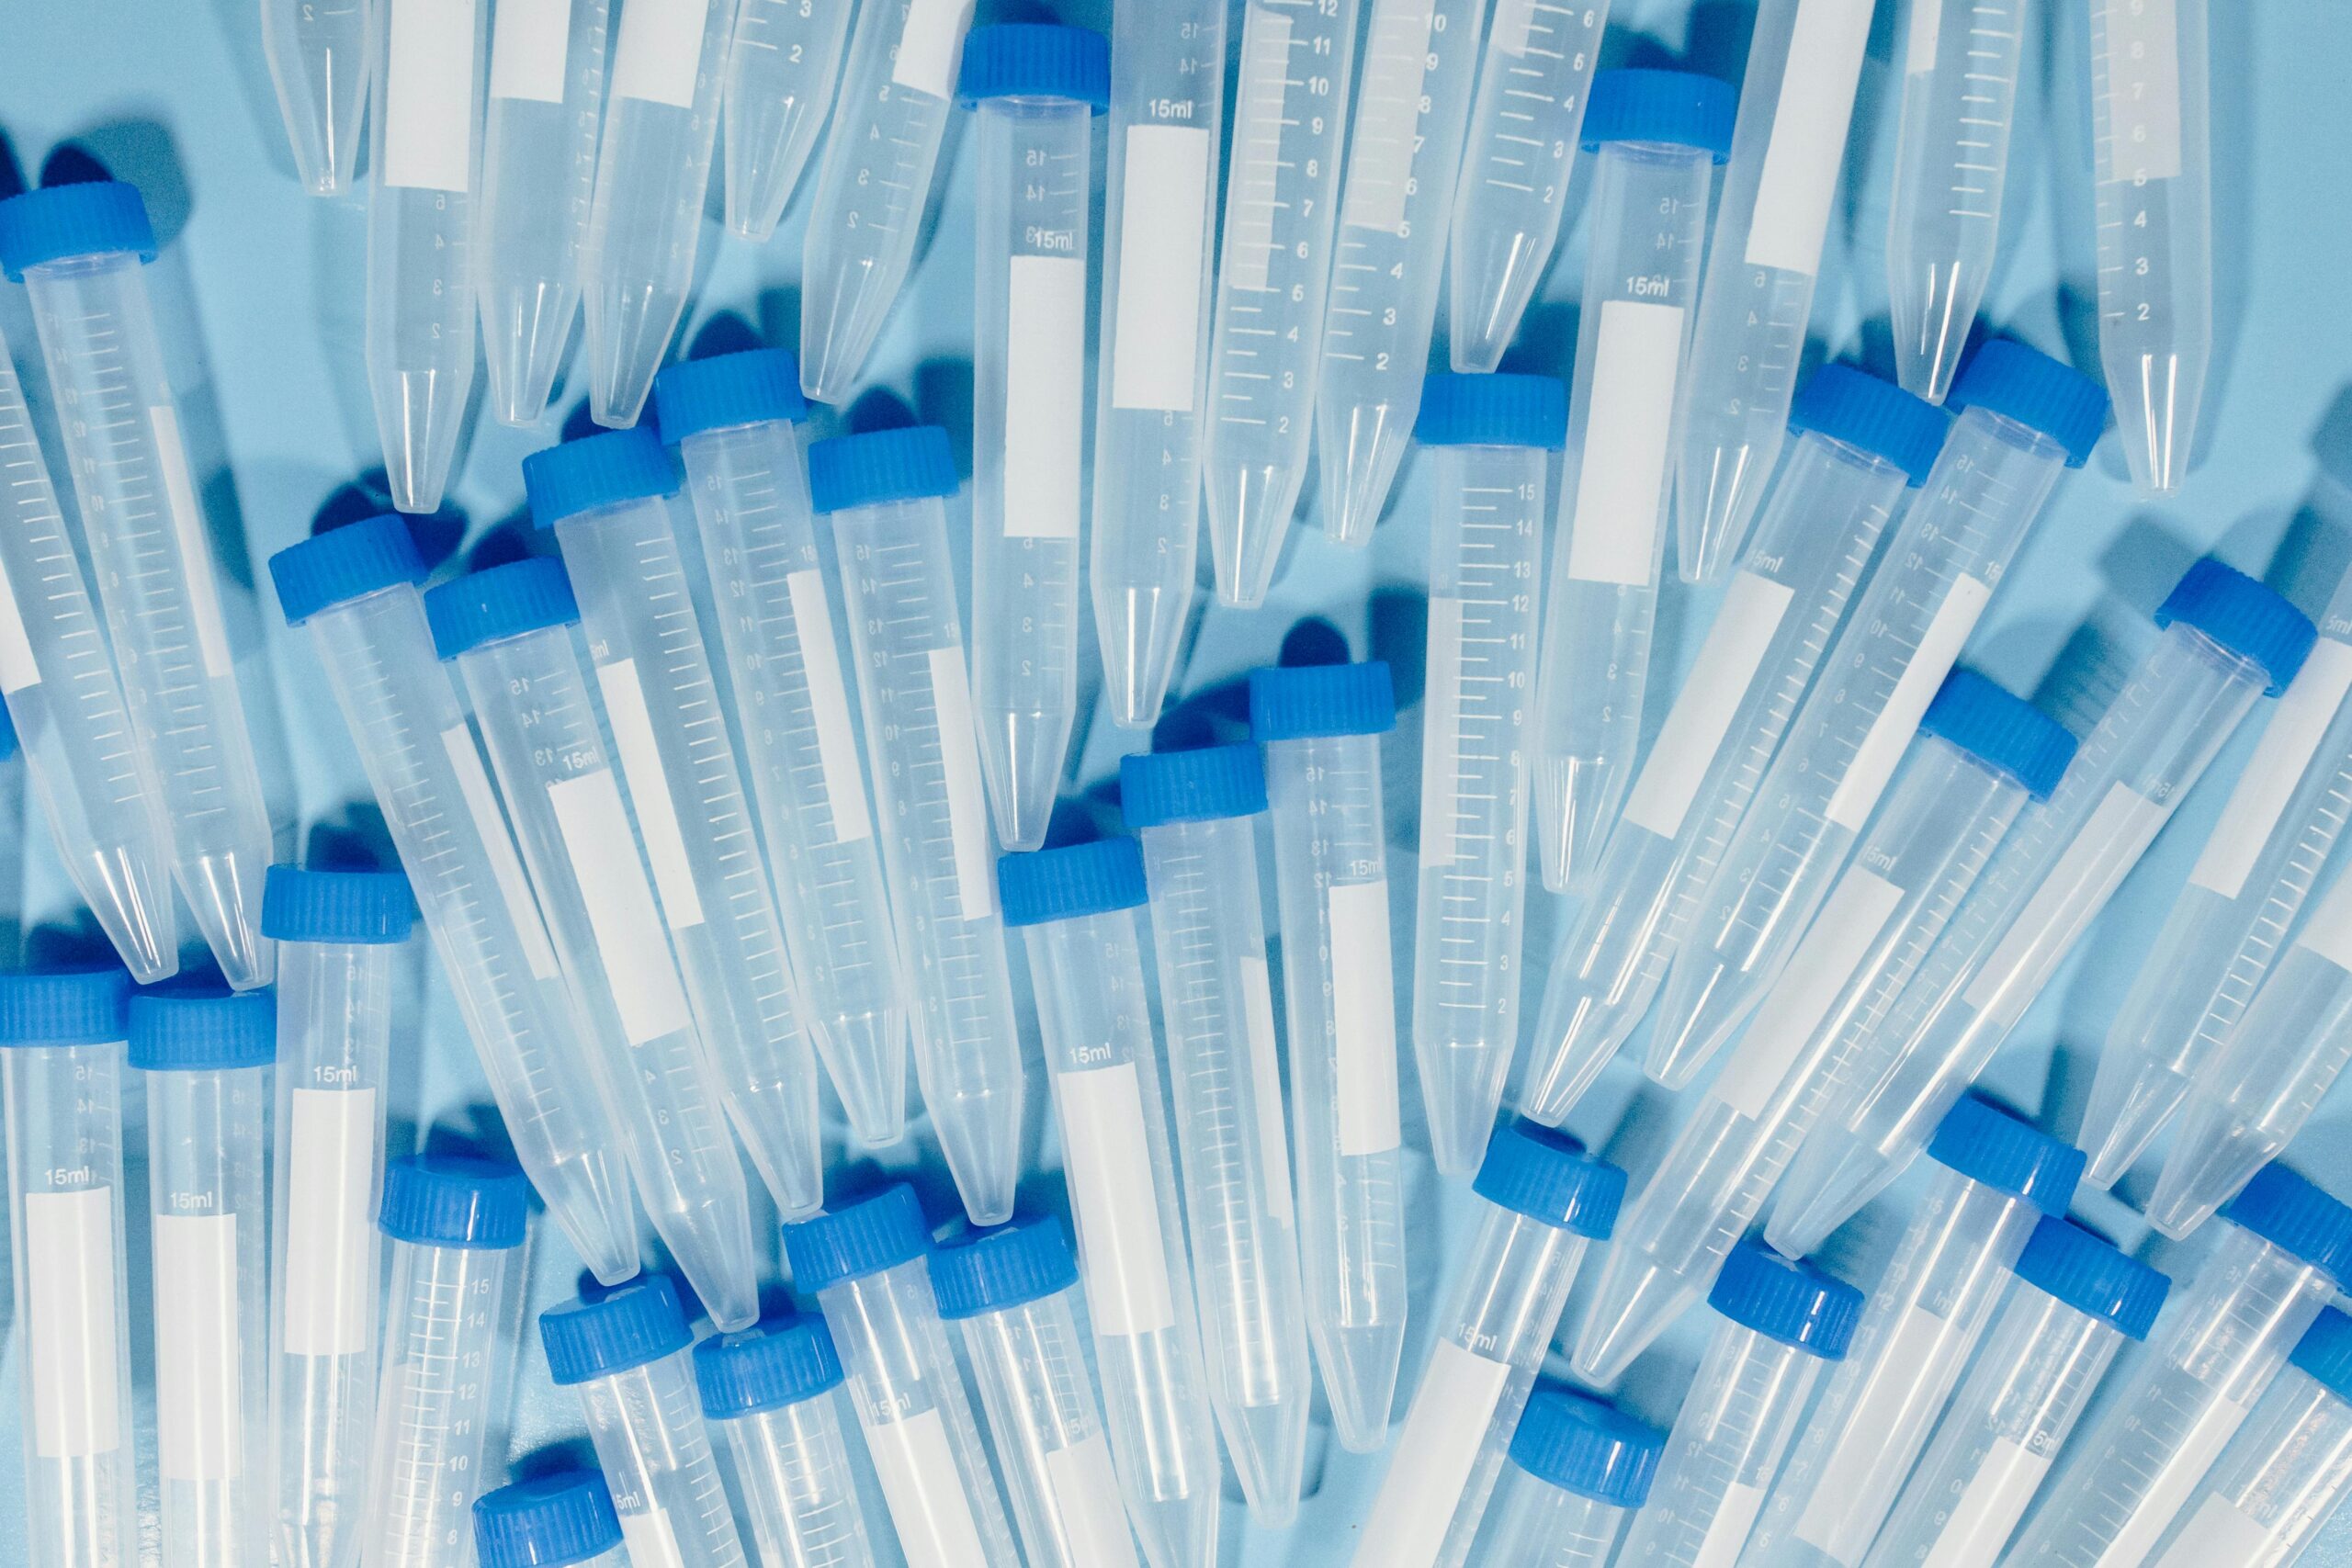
column 131, row 899
column 1359, row 1367
column 1268, row 1446
column 2130, row 1102
column 1177, row 1532
column 1634, row 1302
column 1361, row 453
column 223, row 892
column 1701, row 1012
column 1141, row 629
column 1575, row 1037
column 1576, row 806
column 1462, row 1086
column 1713, row 505
column 981, row 1134
column 1021, row 755
column 2212, row 1156
column 1833, row 1177
column 866, row 1056
column 591, row 1201
column 2156, row 417
column 1249, row 514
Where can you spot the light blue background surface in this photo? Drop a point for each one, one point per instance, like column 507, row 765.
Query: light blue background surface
column 258, row 292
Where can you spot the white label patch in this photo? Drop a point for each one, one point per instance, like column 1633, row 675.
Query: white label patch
column 1857, row 794
column 646, row 993
column 2328, row 930
column 1045, row 387
column 925, row 1491
column 1979, row 1524
column 1727, row 1531
column 820, row 662
column 529, row 40
column 2172, row 1485
column 1704, row 709
column 2067, row 900
column 1514, row 26
column 196, row 550
column 1834, row 947
column 1107, row 1162
column 18, row 669
column 1621, row 472
column 1927, row 26
column 1441, row 733
column 1163, row 233
column 2143, row 61
column 959, row 766
column 1435, row 1452
column 71, row 1352
column 929, row 45
column 2297, row 725
column 197, row 1412
column 1810, row 119
column 1388, row 116
column 1363, row 1016
column 1843, row 1512
column 1266, row 1083
column 427, row 95
column 650, row 1541
column 648, row 791
column 498, row 846
column 2219, row 1531
column 1085, row 1489
column 331, row 1236
column 658, row 55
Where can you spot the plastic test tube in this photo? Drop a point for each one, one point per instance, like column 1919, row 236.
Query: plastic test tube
column 1518, row 155
column 2150, row 127
column 450, row 1328
column 509, row 631
column 609, row 499
column 340, row 936
column 2074, row 1303
column 1658, row 135
column 1321, row 727
column 1578, row 1470
column 627, row 1353
column 1195, row 813
column 549, row 1521
column 1545, row 1199
column 1861, row 443
column 867, row 1264
column 735, row 421
column 1982, row 753
column 889, row 117
column 1012, row 1292
column 79, row 249
column 2025, row 419
column 769, row 1391
column 538, row 178
column 1167, row 133
column 1296, row 66
column 1783, row 1321
column 318, row 63
column 886, row 492
column 2286, row 1251
column 355, row 589
column 1074, row 907
column 61, row 1051
column 782, row 63
column 1998, row 1179
column 2225, row 639
column 1034, row 91
column 58, row 676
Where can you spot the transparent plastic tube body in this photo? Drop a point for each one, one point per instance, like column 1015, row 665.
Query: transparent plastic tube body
column 455, row 844
column 1167, row 132
column 1096, row 1024
column 424, row 177
column 1946, row 557
column 1486, row 553
column 72, row 1302
column 750, row 488
column 207, row 1141
column 686, row 792
column 539, row 180
column 896, row 89
column 1776, row 619
column 1331, row 875
column 1404, row 152
column 318, row 56
column 2151, row 130
column 1224, row 1068
column 655, row 1453
column 334, row 1025
column 1796, row 103
column 899, row 587
column 1028, row 446
column 793, row 1466
column 100, row 801
column 2204, row 1372
column 2275, row 1487
column 638, row 1033
column 2050, row 880
column 1290, row 107
column 1649, row 228
column 153, row 558
column 1517, row 153
column 781, row 66
column 1544, row 1525
column 1944, row 817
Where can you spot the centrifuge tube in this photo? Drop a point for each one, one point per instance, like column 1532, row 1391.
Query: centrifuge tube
column 1578, row 1470
column 769, row 1393
column 549, row 1521
column 782, row 63
column 317, row 64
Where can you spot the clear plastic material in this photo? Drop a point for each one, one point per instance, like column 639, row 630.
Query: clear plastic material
column 792, row 1466
column 1518, row 154
column 899, row 586
column 1774, row 621
column 1796, row 104
column 781, row 67
column 1649, row 229
column 1298, row 64
column 151, row 556
column 2273, row 1488
column 318, row 63
column 750, row 488
column 2151, row 129
column 1167, row 133
column 655, row 1453
column 1543, row 1525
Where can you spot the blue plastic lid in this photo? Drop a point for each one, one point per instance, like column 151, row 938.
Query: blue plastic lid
column 1788, row 1299
column 202, row 1028
column 7, row 733
column 527, row 596
column 1035, row 60
column 2244, row 616
column 92, row 219
column 2326, row 1351
column 65, row 1007
column 779, row 1363
column 2062, row 1260
column 1679, row 108
column 1879, row 417
column 1546, row 1175
column 596, row 471
column 1986, row 1144
column 546, row 1522
column 637, row 1323
column 1499, row 410
column 358, row 908
column 2006, row 733
column 1067, row 884
column 2006, row 378
column 1199, row 785
column 2287, row 1212
column 863, row 1237
column 452, row 1201
column 1585, row 1446
column 1004, row 1265
column 910, row 464
column 343, row 564
column 727, row 390
column 1303, row 702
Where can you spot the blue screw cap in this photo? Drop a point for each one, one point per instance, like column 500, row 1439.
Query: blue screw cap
column 521, row 597
column 1545, row 1175
column 1788, row 1299
column 2244, row 616
column 7, row 733
column 1200, row 785
column 1310, row 701
column 345, row 907
column 2287, row 1212
column 343, row 564
column 1877, row 417
column 1585, row 1446
column 2006, row 733
column 1676, row 109
column 637, row 1323
column 727, row 391
column 65, row 1007
column 546, row 1522
column 864, row 1237
column 1006, row 1265
column 452, row 1201
column 1499, row 410
column 1986, row 1144
column 2326, row 1351
column 95, row 218
column 1035, row 60
column 596, row 471
column 1071, row 883
column 911, row 464
column 202, row 1028
column 782, row 1363
column 2006, row 378
column 2062, row 1260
